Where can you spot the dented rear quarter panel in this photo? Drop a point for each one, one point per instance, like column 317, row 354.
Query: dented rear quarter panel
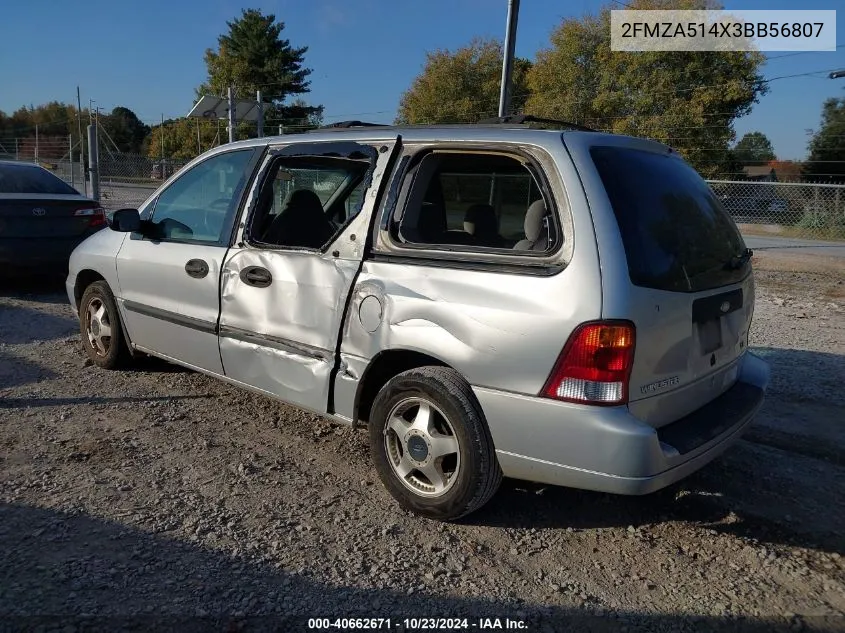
column 500, row 326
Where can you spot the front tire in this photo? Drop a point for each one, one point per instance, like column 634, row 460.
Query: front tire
column 100, row 326
column 431, row 445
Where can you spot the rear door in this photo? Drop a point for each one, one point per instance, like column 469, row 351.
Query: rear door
column 674, row 263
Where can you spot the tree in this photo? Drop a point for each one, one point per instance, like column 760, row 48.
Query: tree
column 754, row 149
column 125, row 129
column 688, row 100
column 180, row 138
column 826, row 162
column 55, row 121
column 253, row 56
column 461, row 86
column 787, row 170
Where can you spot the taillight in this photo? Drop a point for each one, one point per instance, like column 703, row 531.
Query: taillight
column 595, row 365
column 96, row 215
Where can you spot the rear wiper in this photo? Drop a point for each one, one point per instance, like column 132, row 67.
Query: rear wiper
column 738, row 261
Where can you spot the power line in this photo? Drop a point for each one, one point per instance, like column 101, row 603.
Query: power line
column 800, row 53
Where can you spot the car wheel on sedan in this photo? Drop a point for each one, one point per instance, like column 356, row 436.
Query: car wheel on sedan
column 99, row 323
column 431, row 445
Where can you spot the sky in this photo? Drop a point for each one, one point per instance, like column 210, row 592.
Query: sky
column 148, row 56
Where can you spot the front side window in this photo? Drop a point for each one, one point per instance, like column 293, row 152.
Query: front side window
column 306, row 200
column 200, row 205
column 476, row 200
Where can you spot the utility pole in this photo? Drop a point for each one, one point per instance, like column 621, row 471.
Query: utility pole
column 36, row 143
column 260, row 114
column 507, row 64
column 162, row 146
column 231, row 114
column 81, row 143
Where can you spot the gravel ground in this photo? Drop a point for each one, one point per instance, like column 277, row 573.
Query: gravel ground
column 158, row 498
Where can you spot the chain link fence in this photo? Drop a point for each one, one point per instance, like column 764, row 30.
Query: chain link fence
column 815, row 211
column 127, row 180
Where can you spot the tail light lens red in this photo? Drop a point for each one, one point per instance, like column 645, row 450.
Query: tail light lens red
column 595, row 365
column 96, row 215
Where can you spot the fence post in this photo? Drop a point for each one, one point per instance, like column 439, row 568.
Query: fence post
column 260, row 114
column 93, row 162
column 81, row 143
column 70, row 159
column 162, row 147
column 36, row 143
column 231, row 114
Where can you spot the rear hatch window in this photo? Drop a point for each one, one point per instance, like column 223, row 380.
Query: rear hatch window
column 676, row 234
column 31, row 179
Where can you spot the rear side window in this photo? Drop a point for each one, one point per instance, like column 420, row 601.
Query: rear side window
column 477, row 201
column 677, row 235
column 32, row 179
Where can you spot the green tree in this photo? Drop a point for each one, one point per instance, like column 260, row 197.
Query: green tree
column 253, row 56
column 55, row 121
column 754, row 148
column 688, row 100
column 125, row 129
column 180, row 138
column 826, row 162
column 461, row 86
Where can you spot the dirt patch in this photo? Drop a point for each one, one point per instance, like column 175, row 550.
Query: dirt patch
column 159, row 491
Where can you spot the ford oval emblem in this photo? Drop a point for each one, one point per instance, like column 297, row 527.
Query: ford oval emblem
column 726, row 305
column 39, row 211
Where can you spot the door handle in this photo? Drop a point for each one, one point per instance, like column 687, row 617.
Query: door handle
column 196, row 268
column 256, row 276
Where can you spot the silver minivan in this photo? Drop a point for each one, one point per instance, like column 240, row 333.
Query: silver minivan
column 560, row 306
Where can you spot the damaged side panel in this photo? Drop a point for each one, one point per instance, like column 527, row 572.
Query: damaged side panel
column 498, row 330
column 500, row 320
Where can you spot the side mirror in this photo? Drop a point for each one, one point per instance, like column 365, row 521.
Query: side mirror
column 125, row 221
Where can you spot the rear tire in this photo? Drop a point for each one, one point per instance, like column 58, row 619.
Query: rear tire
column 431, row 445
column 100, row 326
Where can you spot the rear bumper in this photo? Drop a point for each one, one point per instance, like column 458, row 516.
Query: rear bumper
column 38, row 254
column 608, row 449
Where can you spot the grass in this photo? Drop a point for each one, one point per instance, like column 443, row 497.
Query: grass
column 828, row 234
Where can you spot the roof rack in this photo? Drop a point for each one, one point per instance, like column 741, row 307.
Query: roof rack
column 348, row 124
column 519, row 119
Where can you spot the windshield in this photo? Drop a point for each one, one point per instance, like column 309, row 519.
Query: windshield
column 676, row 234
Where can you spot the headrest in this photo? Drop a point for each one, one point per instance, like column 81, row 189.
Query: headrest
column 305, row 198
column 534, row 220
